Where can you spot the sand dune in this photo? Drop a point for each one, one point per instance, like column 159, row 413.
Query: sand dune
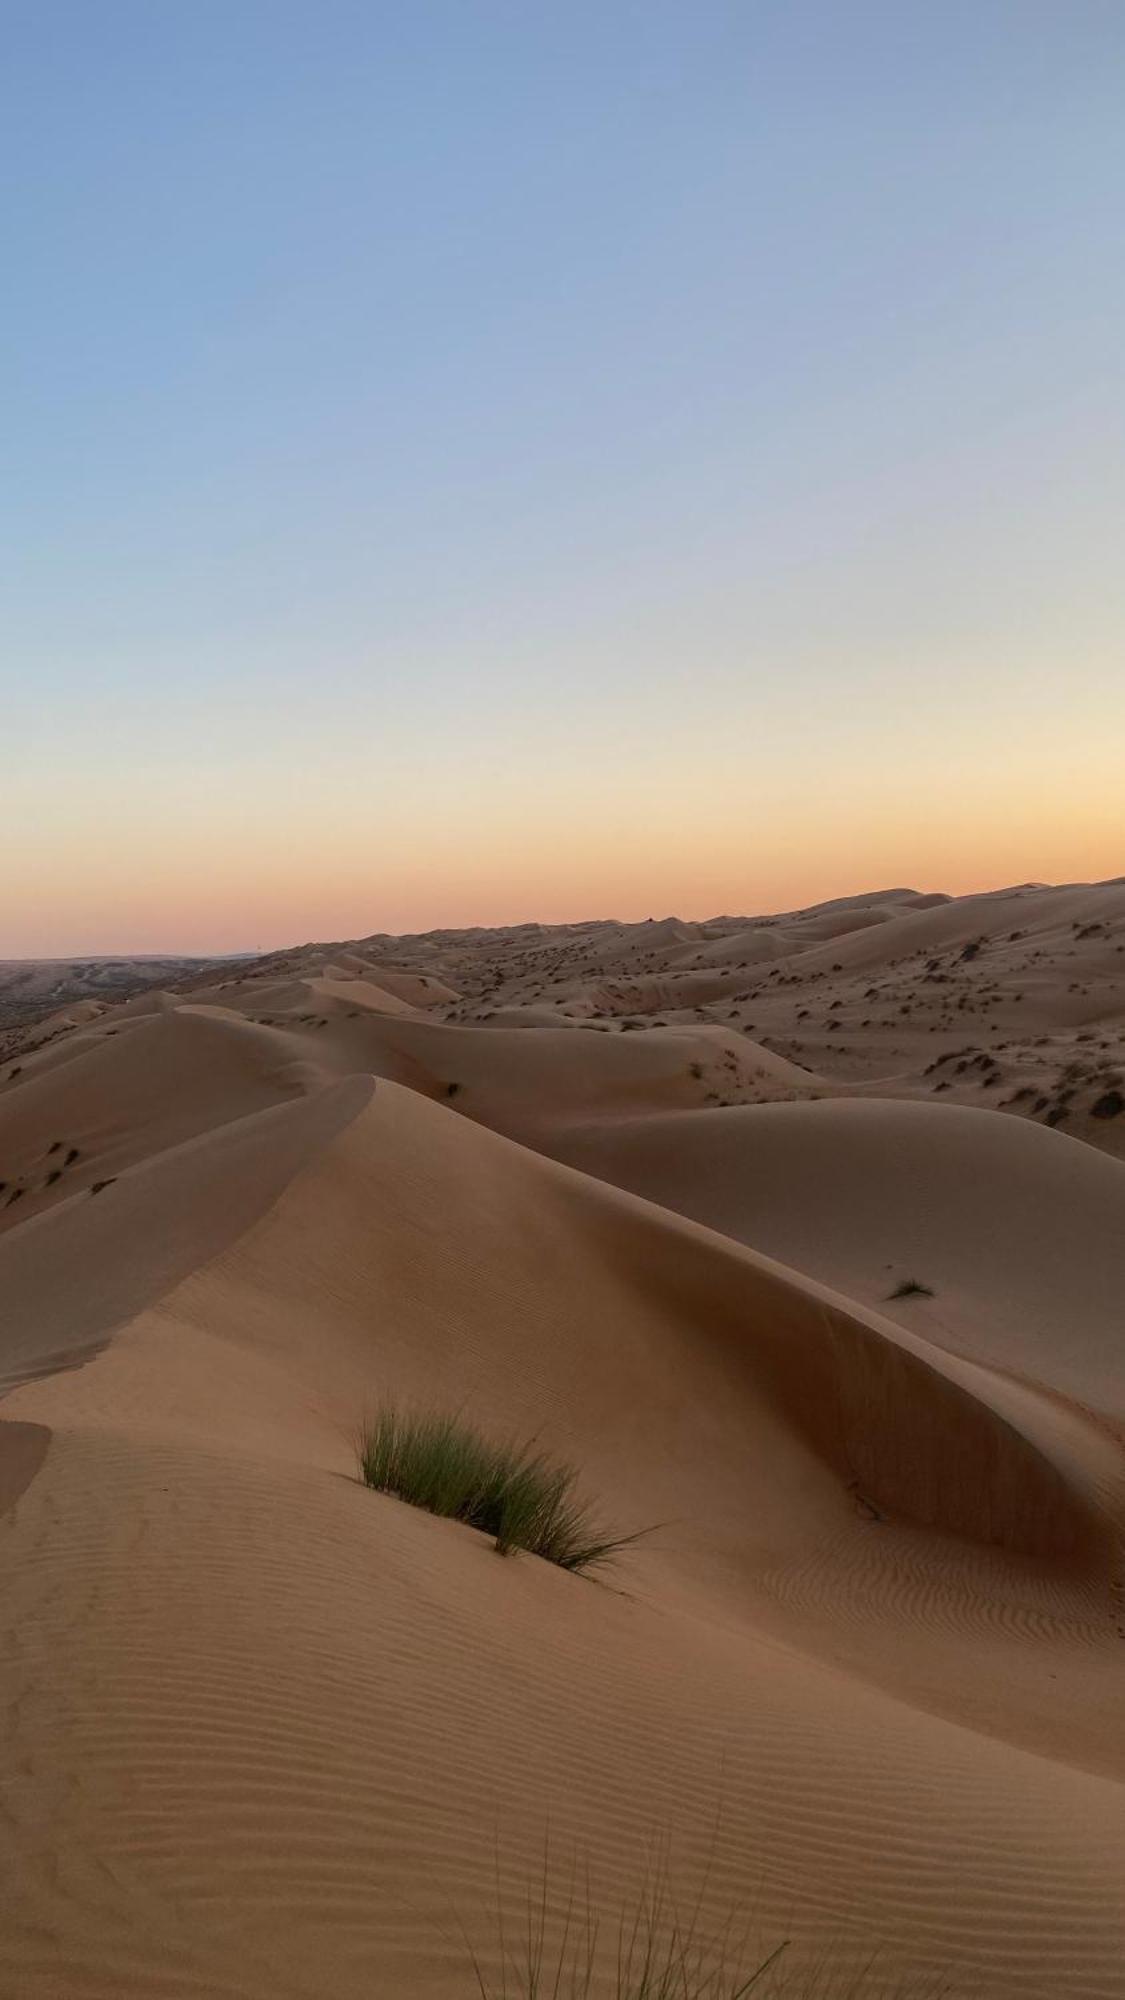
column 746, row 947
column 269, row 1733
column 979, row 917
column 525, row 1083
column 1015, row 1230
column 97, row 1102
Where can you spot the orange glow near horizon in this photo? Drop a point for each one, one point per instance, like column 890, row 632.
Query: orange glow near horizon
column 220, row 889
column 742, row 802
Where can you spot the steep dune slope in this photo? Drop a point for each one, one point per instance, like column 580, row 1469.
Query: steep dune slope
column 417, row 1207
column 1018, row 1232
column 100, row 1100
column 70, row 1275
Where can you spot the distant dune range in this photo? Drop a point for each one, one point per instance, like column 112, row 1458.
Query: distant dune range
column 29, row 987
column 802, row 1236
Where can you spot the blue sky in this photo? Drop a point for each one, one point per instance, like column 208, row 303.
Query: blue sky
column 544, row 460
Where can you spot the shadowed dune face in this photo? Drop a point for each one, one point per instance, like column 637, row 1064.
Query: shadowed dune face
column 1014, row 1231
column 846, row 1344
column 23, row 1447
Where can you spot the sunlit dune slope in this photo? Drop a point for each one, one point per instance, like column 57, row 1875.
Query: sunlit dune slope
column 834, row 1321
column 285, row 1692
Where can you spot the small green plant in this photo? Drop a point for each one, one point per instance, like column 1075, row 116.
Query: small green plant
column 555, row 1945
column 551, row 1943
column 653, row 1953
column 510, row 1492
column 911, row 1289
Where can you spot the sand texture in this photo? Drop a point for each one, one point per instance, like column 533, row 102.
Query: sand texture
column 801, row 1236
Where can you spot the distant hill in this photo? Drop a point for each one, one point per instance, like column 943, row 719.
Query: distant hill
column 33, row 987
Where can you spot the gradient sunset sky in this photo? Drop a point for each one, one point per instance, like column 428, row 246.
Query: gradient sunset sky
column 466, row 462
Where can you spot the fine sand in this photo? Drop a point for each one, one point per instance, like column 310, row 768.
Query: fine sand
column 802, row 1237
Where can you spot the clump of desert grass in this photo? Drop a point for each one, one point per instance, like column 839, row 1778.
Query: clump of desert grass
column 655, row 1947
column 559, row 1948
column 514, row 1493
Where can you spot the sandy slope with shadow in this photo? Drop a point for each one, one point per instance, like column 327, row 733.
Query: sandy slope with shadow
column 267, row 1733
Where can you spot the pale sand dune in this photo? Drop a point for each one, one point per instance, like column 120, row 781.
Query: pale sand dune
column 285, row 1690
column 268, row 1733
column 840, row 924
column 671, row 992
column 992, row 916
column 658, row 934
column 228, row 1064
column 76, row 1016
column 746, row 947
column 357, row 993
column 307, row 996
column 1017, row 1231
column 524, row 1083
column 870, row 899
column 418, row 989
column 73, row 1273
column 114, row 1099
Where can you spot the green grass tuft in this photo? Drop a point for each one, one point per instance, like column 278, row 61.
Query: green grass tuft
column 558, row 1948
column 522, row 1499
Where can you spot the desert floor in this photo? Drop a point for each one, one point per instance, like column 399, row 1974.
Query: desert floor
column 802, row 1237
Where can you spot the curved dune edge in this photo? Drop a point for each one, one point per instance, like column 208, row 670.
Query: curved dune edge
column 934, row 1438
column 1017, row 1230
column 969, row 1453
column 923, row 1435
column 70, row 1276
column 913, row 1430
column 931, row 1438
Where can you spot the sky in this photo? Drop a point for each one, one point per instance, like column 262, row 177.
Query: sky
column 467, row 461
